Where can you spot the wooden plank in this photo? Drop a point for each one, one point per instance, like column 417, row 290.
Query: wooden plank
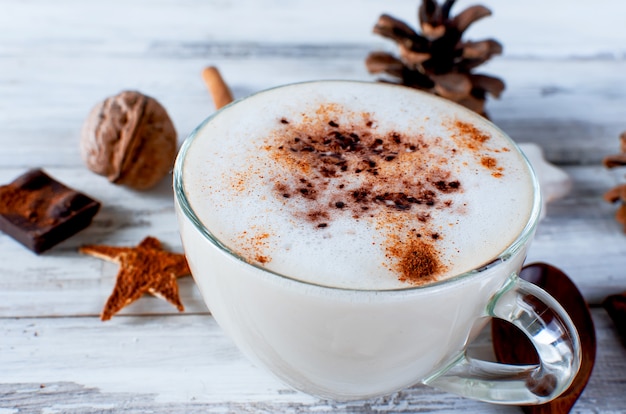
column 62, row 281
column 578, row 235
column 563, row 93
column 532, row 28
column 575, row 120
column 185, row 363
column 565, row 85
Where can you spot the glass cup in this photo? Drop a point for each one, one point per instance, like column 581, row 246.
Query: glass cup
column 347, row 344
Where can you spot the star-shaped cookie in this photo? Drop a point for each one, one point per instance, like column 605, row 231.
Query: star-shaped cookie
column 144, row 268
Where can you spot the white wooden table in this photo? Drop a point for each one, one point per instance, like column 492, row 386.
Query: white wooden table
column 565, row 69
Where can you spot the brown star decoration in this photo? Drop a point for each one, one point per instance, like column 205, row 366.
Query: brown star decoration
column 145, row 268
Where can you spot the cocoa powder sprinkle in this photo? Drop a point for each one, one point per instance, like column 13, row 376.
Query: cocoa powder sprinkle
column 419, row 262
column 472, row 135
column 489, row 162
column 352, row 169
column 472, row 138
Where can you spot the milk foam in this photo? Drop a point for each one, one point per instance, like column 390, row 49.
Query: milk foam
column 357, row 185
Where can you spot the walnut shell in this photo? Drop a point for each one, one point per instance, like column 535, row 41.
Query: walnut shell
column 130, row 139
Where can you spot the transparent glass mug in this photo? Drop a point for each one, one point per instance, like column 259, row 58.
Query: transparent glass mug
column 353, row 344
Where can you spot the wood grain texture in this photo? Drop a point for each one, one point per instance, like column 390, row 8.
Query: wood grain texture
column 577, row 235
column 566, row 89
column 74, row 54
column 185, row 364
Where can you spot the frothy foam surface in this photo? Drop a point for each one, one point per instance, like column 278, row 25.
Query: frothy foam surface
column 357, row 185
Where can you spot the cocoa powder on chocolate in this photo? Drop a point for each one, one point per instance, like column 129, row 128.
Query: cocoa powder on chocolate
column 40, row 212
column 42, row 206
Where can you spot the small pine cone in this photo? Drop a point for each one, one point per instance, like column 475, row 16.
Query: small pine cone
column 437, row 60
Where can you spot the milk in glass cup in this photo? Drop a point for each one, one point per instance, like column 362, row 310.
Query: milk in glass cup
column 353, row 238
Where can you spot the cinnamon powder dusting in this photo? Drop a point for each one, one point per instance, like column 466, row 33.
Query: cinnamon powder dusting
column 41, row 207
column 468, row 136
column 339, row 164
column 419, row 262
column 30, row 205
column 256, row 246
column 262, row 259
column 489, row 162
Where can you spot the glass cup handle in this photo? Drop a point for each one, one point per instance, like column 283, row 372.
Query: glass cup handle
column 542, row 319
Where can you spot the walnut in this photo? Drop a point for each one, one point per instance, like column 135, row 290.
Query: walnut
column 130, row 139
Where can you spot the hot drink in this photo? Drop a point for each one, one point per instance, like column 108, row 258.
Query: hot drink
column 355, row 237
column 345, row 189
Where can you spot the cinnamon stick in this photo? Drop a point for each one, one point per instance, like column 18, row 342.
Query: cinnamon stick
column 217, row 87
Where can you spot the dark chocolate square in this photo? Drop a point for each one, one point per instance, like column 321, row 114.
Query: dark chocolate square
column 40, row 212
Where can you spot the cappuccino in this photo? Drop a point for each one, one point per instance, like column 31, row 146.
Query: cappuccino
column 331, row 184
column 353, row 238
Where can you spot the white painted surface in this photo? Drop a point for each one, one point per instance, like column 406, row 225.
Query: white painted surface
column 565, row 70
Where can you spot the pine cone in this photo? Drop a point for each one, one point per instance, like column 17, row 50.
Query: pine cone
column 618, row 193
column 437, row 60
